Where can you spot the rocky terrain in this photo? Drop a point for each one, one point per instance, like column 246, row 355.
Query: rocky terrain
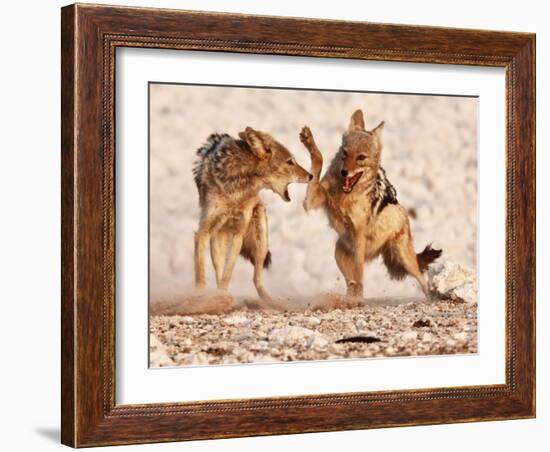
column 246, row 336
column 334, row 328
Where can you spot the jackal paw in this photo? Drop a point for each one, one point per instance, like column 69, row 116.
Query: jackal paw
column 355, row 289
column 306, row 137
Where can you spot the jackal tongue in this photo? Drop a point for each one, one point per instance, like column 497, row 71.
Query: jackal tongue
column 349, row 182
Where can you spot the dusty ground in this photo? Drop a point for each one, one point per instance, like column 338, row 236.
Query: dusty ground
column 378, row 329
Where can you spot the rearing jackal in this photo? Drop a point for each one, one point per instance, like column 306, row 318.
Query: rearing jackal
column 362, row 207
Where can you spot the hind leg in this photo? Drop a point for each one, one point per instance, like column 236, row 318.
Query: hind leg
column 346, row 263
column 393, row 237
column 259, row 282
column 405, row 249
column 239, row 229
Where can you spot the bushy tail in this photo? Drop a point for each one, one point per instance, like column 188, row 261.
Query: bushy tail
column 426, row 257
column 267, row 260
column 245, row 252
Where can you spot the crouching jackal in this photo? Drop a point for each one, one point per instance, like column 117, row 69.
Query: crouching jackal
column 230, row 173
column 362, row 207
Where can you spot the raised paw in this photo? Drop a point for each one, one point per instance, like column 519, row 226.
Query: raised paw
column 306, row 137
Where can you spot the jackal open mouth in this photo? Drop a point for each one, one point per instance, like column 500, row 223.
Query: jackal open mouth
column 349, row 182
column 286, row 196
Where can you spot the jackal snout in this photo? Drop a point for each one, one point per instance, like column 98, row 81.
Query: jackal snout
column 277, row 166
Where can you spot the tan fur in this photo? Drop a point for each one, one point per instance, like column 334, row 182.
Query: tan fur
column 365, row 230
column 230, row 175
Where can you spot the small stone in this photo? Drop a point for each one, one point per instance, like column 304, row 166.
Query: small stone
column 199, row 359
column 462, row 336
column 450, row 343
column 318, row 341
column 409, row 335
column 336, row 348
column 290, row 335
column 427, row 337
column 236, row 320
column 375, row 348
column 312, row 321
column 242, row 336
column 260, row 346
column 360, row 324
column 186, row 319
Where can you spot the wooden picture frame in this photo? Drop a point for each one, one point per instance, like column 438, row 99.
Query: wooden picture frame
column 90, row 35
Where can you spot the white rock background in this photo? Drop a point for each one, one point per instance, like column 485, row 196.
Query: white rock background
column 430, row 155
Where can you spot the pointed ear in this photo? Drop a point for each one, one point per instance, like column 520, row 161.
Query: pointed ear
column 378, row 129
column 357, row 122
column 255, row 141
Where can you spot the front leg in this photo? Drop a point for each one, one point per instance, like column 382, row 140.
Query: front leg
column 356, row 286
column 235, row 249
column 218, row 249
column 201, row 243
column 211, row 218
column 316, row 195
column 258, row 234
column 340, row 222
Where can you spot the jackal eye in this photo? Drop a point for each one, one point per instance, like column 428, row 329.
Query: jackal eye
column 290, row 162
column 344, row 153
column 361, row 157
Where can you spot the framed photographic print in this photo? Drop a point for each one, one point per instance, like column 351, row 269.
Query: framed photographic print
column 281, row 225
